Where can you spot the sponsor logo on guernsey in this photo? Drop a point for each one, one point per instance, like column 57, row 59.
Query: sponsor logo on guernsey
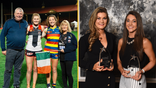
column 57, row 32
column 29, row 53
column 39, row 32
column 56, row 55
column 49, row 32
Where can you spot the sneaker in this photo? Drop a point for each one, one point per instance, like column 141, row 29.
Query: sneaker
column 48, row 85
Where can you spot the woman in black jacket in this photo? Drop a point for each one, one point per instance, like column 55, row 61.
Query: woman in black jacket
column 98, row 76
column 67, row 46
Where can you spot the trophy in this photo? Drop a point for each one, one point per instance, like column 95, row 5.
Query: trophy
column 133, row 65
column 61, row 44
column 106, row 58
column 134, row 62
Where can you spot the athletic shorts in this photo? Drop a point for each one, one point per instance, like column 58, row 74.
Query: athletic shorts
column 54, row 56
column 31, row 53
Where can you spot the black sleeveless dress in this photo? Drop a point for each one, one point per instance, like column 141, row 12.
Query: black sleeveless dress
column 127, row 55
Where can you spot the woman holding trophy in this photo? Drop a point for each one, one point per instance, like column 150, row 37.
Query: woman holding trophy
column 131, row 48
column 97, row 52
column 67, row 46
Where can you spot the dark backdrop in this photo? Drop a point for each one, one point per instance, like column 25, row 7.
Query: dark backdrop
column 117, row 11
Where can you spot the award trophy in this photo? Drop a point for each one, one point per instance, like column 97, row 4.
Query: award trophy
column 106, row 59
column 134, row 65
column 61, row 44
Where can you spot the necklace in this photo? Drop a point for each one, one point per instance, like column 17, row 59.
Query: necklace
column 130, row 42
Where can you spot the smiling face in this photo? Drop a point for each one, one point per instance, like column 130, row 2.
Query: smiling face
column 101, row 20
column 64, row 27
column 18, row 14
column 52, row 21
column 36, row 20
column 131, row 23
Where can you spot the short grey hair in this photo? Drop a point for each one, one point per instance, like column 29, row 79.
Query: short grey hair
column 20, row 9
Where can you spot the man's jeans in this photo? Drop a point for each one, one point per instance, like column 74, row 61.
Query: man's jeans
column 13, row 57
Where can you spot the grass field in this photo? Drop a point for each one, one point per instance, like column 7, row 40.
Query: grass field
column 41, row 81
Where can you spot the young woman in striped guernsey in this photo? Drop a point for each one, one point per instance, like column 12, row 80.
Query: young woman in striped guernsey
column 34, row 32
column 52, row 35
column 130, row 52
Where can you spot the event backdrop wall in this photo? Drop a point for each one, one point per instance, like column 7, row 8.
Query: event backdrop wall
column 117, row 10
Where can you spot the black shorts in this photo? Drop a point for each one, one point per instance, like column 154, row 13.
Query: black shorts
column 31, row 53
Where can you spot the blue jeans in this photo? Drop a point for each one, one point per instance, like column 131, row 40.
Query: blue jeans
column 13, row 57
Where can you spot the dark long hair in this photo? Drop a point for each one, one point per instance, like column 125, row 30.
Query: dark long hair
column 92, row 28
column 138, row 39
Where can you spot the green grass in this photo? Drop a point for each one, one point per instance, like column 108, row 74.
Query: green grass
column 41, row 81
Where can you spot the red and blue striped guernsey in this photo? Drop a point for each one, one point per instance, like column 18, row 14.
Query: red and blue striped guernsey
column 53, row 35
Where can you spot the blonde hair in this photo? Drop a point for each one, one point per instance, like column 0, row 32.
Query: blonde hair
column 35, row 14
column 65, row 22
column 92, row 28
column 47, row 21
